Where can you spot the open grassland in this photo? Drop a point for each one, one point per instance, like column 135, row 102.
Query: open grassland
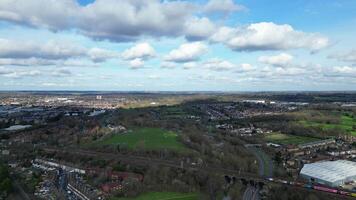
column 285, row 139
column 163, row 196
column 173, row 112
column 146, row 138
column 347, row 124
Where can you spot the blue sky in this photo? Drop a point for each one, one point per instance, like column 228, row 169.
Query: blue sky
column 203, row 45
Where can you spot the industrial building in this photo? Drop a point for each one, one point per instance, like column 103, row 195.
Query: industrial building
column 331, row 173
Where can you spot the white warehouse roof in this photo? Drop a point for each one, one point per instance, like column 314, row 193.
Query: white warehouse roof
column 330, row 171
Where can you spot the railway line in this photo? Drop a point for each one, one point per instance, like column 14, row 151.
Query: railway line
column 174, row 164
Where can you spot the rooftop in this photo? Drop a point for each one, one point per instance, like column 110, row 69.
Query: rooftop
column 330, row 171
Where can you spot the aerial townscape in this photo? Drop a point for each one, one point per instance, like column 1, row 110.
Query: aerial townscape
column 177, row 100
column 113, row 145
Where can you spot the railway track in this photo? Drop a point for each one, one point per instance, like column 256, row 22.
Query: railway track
column 175, row 164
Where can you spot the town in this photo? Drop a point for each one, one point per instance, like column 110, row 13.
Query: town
column 199, row 146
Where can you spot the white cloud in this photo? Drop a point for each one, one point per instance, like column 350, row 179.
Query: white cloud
column 187, row 52
column 269, row 36
column 141, row 51
column 155, row 77
column 223, row 34
column 246, row 67
column 76, row 63
column 136, row 63
column 344, row 69
column 61, row 73
column 101, row 55
column 346, row 57
column 26, row 62
column 31, row 53
column 291, row 71
column 168, row 65
column 222, row 6
column 49, row 50
column 4, row 71
column 281, row 60
column 199, row 28
column 103, row 19
column 218, row 64
column 190, row 65
column 11, row 73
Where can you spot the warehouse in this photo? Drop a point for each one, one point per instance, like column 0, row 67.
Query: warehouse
column 331, row 173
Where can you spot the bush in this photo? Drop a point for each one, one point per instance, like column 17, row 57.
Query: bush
column 5, row 181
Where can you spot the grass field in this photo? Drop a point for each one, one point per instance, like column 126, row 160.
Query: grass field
column 147, row 138
column 173, row 112
column 163, row 196
column 280, row 138
column 346, row 124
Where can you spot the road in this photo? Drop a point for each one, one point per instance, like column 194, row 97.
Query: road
column 265, row 164
column 18, row 187
column 251, row 193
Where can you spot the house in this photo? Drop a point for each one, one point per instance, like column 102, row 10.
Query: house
column 5, row 152
column 111, row 187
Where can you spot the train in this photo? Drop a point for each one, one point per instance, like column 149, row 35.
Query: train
column 314, row 187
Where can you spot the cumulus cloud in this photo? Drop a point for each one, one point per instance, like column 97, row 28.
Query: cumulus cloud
column 291, row 71
column 26, row 62
column 114, row 20
column 282, row 59
column 139, row 51
column 168, row 65
column 155, row 77
column 129, row 20
column 187, row 52
column 190, row 65
column 346, row 57
column 268, row 36
column 222, row 6
column 101, row 55
column 12, row 73
column 246, row 67
column 31, row 53
column 4, row 70
column 61, row 73
column 136, row 63
column 199, row 28
column 218, row 64
column 344, row 69
column 49, row 50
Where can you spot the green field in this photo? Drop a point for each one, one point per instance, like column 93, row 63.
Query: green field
column 146, row 138
column 163, row 196
column 346, row 124
column 280, row 138
column 173, row 112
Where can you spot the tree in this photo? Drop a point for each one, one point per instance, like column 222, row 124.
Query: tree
column 278, row 158
column 5, row 182
column 118, row 147
column 6, row 185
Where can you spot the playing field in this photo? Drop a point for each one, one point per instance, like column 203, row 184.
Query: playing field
column 163, row 196
column 146, row 138
column 346, row 124
column 173, row 112
column 280, row 138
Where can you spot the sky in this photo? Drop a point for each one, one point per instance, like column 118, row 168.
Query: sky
column 166, row 45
